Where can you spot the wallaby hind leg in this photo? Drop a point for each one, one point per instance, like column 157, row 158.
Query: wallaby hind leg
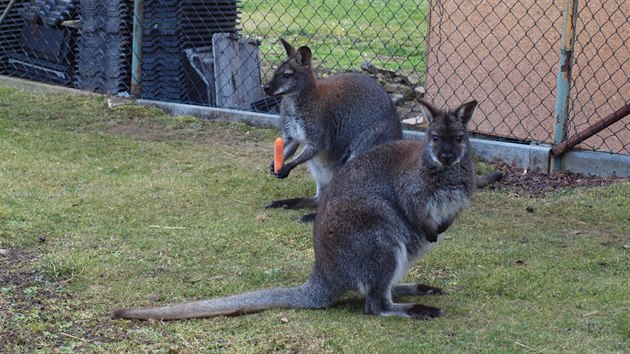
column 416, row 289
column 380, row 303
column 293, row 203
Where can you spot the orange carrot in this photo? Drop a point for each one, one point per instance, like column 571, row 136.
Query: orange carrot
column 278, row 155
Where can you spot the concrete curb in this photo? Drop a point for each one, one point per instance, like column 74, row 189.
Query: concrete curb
column 596, row 163
column 262, row 120
column 41, row 87
column 532, row 156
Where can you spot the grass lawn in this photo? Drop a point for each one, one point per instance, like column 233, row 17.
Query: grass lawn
column 104, row 208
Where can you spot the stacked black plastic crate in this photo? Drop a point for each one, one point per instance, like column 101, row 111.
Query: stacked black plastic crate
column 170, row 28
column 104, row 46
column 46, row 46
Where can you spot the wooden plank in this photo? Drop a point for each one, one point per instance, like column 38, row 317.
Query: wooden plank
column 237, row 71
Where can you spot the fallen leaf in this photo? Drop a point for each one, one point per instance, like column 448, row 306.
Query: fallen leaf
column 284, row 320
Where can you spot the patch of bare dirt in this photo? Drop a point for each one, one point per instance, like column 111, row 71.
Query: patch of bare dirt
column 536, row 184
column 26, row 294
column 35, row 310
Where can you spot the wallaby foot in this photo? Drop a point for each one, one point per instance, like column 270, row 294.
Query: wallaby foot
column 380, row 303
column 308, row 218
column 416, row 289
column 423, row 312
column 293, row 203
column 413, row 311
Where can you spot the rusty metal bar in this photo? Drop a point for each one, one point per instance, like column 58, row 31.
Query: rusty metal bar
column 136, row 49
column 564, row 75
column 567, row 145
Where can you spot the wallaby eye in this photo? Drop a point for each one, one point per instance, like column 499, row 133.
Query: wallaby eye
column 435, row 138
column 287, row 75
column 459, row 138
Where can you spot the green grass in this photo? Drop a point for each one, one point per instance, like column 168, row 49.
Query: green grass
column 343, row 34
column 127, row 207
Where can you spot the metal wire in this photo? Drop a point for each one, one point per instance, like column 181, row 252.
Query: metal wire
column 219, row 53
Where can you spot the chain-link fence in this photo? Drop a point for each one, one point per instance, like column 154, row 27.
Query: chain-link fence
column 601, row 79
column 507, row 56
column 217, row 53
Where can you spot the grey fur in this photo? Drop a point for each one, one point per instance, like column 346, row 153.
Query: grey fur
column 333, row 120
column 381, row 212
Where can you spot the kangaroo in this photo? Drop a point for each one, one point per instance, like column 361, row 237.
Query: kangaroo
column 332, row 119
column 381, row 212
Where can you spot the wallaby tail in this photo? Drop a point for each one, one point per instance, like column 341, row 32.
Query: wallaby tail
column 491, row 177
column 308, row 295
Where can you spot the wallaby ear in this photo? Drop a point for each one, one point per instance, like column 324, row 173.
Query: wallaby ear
column 304, row 56
column 288, row 48
column 428, row 110
column 465, row 111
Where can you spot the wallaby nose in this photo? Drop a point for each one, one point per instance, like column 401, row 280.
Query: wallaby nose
column 447, row 158
column 267, row 89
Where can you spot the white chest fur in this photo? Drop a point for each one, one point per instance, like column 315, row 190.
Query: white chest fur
column 291, row 118
column 445, row 204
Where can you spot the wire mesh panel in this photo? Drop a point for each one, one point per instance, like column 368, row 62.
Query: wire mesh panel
column 39, row 46
column 220, row 52
column 175, row 32
column 503, row 54
column 10, row 30
column 601, row 73
column 386, row 39
column 506, row 56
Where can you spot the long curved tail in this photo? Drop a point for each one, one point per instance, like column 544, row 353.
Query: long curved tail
column 308, row 295
column 485, row 180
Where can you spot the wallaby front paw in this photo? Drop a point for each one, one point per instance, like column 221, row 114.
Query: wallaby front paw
column 272, row 169
column 432, row 237
column 283, row 173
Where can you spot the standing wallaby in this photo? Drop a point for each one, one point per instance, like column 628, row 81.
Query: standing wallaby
column 380, row 213
column 333, row 120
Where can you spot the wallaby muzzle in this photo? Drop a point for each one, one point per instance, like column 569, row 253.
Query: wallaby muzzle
column 268, row 90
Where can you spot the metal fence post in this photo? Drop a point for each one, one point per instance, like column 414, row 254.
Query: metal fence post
column 563, row 90
column 136, row 49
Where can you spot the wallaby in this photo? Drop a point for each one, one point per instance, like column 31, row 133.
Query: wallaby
column 381, row 212
column 333, row 120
